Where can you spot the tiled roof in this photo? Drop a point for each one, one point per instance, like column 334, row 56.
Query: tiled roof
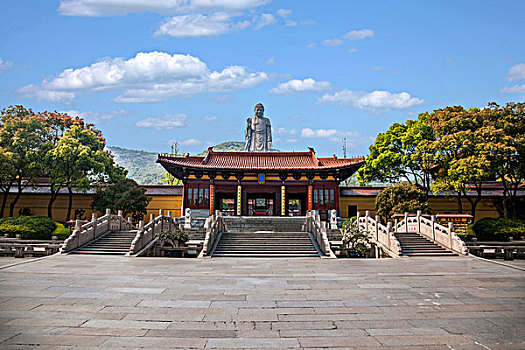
column 260, row 161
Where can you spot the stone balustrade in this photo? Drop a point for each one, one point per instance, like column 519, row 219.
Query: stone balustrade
column 445, row 236
column 383, row 236
column 147, row 234
column 214, row 225
column 83, row 234
column 317, row 228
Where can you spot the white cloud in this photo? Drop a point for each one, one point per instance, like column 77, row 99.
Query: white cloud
column 169, row 121
column 376, row 100
column 285, row 131
column 284, row 13
column 291, row 140
column 271, row 61
column 352, row 50
column 4, row 65
column 290, row 23
column 95, row 117
column 190, row 142
column 311, row 45
column 332, row 42
column 359, row 34
column 210, row 117
column 517, row 72
column 147, row 77
column 318, row 133
column 97, row 8
column 296, row 86
column 516, row 89
column 198, row 25
column 265, row 20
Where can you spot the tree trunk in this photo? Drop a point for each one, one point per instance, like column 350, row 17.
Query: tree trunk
column 69, row 203
column 460, row 204
column 17, row 197
column 4, row 202
column 54, row 195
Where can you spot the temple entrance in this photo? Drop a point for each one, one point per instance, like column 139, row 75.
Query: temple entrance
column 225, row 202
column 296, row 204
column 261, row 204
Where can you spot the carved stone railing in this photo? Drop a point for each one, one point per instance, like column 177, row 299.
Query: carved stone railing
column 317, row 228
column 214, row 225
column 445, row 236
column 97, row 227
column 383, row 236
column 147, row 234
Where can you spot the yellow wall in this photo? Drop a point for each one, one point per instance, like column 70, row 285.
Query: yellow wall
column 38, row 205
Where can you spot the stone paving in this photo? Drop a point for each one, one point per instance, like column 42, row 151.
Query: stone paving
column 119, row 302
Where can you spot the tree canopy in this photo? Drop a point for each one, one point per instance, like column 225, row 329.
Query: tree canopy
column 125, row 195
column 401, row 198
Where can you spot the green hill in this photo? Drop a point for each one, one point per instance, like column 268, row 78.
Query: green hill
column 143, row 169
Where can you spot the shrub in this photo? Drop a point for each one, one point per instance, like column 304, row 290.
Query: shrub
column 400, row 198
column 498, row 229
column 354, row 240
column 61, row 232
column 28, row 227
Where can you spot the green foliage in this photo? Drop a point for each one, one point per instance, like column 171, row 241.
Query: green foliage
column 141, row 165
column 498, row 229
column 29, row 227
column 393, row 158
column 61, row 232
column 125, row 195
column 401, row 198
column 24, row 141
column 354, row 240
column 174, row 237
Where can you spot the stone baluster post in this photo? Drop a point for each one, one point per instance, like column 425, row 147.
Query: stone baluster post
column 433, row 219
column 367, row 215
column 418, row 221
column 94, row 221
column 77, row 228
column 395, row 224
column 108, row 211
column 119, row 214
column 169, row 220
column 130, row 222
column 450, row 229
column 161, row 214
column 152, row 220
column 406, row 222
column 388, row 230
column 378, row 218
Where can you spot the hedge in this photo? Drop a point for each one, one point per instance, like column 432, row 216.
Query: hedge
column 500, row 229
column 61, row 232
column 28, row 227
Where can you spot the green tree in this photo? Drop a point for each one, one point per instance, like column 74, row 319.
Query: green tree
column 393, row 156
column 77, row 161
column 401, row 198
column 24, row 141
column 464, row 149
column 125, row 195
column 509, row 162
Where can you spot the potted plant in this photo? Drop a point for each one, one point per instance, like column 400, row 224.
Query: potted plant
column 174, row 238
column 356, row 244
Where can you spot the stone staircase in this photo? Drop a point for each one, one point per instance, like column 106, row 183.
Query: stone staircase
column 112, row 243
column 265, row 237
column 413, row 244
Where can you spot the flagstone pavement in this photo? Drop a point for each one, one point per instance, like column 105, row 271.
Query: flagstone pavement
column 71, row 301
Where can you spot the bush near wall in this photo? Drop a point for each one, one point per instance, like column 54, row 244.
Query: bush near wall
column 498, row 229
column 61, row 232
column 28, row 227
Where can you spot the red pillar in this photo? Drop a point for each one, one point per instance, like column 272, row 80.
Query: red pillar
column 310, row 197
column 212, row 199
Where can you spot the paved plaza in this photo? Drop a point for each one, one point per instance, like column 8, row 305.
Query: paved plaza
column 119, row 302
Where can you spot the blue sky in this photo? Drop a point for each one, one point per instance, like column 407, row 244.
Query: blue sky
column 151, row 72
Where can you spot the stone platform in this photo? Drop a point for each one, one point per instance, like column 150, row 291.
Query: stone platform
column 119, row 302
